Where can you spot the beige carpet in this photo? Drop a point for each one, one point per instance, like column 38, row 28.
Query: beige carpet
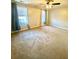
column 43, row 43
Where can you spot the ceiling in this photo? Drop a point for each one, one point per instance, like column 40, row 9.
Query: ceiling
column 41, row 3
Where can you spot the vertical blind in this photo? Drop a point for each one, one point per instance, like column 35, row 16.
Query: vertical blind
column 23, row 17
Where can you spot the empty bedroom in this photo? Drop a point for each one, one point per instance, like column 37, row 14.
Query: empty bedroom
column 39, row 29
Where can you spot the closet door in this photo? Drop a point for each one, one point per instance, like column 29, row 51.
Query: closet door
column 23, row 17
column 34, row 17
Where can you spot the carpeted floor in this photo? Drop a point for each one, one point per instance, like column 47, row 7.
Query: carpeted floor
column 43, row 43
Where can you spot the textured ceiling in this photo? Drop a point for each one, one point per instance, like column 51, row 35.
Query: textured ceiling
column 41, row 3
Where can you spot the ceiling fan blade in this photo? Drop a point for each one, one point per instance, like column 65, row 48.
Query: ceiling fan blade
column 47, row 3
column 56, row 3
column 50, row 0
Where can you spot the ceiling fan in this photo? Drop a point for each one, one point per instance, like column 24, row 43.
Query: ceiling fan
column 50, row 3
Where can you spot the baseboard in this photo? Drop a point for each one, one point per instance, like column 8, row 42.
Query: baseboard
column 14, row 31
column 35, row 27
column 63, row 28
column 25, row 29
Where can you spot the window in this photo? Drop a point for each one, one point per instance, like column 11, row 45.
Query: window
column 43, row 17
column 23, row 17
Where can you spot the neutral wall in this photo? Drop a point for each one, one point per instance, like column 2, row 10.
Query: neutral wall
column 34, row 17
column 58, row 17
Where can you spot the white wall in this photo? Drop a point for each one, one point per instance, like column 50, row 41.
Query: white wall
column 58, row 17
column 34, row 17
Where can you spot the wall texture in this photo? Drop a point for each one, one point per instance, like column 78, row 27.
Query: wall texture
column 34, row 17
column 58, row 17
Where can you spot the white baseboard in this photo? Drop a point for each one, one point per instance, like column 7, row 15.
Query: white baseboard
column 64, row 28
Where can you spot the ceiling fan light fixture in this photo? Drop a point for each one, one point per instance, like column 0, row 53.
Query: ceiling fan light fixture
column 48, row 6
